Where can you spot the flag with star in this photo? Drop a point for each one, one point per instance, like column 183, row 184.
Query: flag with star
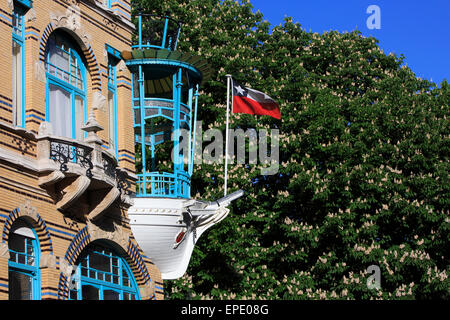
column 247, row 100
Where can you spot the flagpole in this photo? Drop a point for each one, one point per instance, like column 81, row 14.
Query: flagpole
column 226, row 134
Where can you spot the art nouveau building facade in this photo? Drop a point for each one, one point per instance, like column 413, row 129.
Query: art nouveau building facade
column 67, row 160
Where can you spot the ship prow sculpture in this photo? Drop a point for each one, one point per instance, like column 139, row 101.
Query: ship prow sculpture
column 167, row 231
column 164, row 219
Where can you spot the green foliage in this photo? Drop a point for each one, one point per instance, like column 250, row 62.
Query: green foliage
column 364, row 165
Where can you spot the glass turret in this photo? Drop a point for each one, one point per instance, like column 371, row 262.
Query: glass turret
column 165, row 90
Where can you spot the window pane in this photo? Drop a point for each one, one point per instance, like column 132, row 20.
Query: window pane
column 30, row 249
column 79, row 118
column 105, row 272
column 60, row 114
column 90, row 292
column 136, row 91
column 16, row 242
column 73, row 295
column 111, row 119
column 111, row 295
column 128, row 296
column 125, row 278
column 64, row 62
column 17, row 83
column 99, row 262
column 20, row 286
column 58, row 58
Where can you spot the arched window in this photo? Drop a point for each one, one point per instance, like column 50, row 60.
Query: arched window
column 102, row 274
column 23, row 265
column 18, row 63
column 66, row 86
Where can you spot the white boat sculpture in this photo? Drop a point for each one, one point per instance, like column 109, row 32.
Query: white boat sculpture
column 168, row 229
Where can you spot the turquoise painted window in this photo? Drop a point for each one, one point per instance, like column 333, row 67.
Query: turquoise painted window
column 102, row 274
column 18, row 64
column 65, row 87
column 112, row 103
column 23, row 265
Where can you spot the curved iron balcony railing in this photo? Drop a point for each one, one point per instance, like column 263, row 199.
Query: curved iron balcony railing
column 161, row 107
column 69, row 153
column 65, row 151
column 155, row 31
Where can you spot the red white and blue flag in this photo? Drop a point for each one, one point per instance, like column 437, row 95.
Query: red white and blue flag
column 246, row 100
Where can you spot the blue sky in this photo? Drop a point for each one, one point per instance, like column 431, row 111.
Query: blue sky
column 420, row 30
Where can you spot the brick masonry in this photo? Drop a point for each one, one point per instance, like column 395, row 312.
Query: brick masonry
column 61, row 237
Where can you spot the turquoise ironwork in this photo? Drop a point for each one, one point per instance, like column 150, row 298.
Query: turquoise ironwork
column 165, row 83
column 102, row 274
column 156, row 31
column 64, row 152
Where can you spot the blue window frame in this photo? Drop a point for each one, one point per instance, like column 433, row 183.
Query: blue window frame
column 65, row 87
column 23, row 265
column 101, row 274
column 112, row 98
column 18, row 64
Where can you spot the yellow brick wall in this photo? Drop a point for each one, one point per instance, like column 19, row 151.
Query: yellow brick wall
column 5, row 62
column 18, row 185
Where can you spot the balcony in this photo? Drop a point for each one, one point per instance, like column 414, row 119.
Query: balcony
column 160, row 107
column 164, row 185
column 82, row 177
column 156, row 32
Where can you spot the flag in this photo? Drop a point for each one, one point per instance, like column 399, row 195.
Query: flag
column 246, row 100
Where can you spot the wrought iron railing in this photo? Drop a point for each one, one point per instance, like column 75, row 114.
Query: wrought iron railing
column 64, row 151
column 163, row 184
column 155, row 31
column 159, row 107
column 109, row 165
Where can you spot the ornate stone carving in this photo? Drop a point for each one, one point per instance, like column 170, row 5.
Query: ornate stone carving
column 105, row 56
column 106, row 202
column 121, row 66
column 30, row 16
column 147, row 290
column 118, row 235
column 39, row 71
column 65, row 267
column 73, row 191
column 45, row 129
column 71, row 20
column 27, row 209
column 98, row 101
column 47, row 261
